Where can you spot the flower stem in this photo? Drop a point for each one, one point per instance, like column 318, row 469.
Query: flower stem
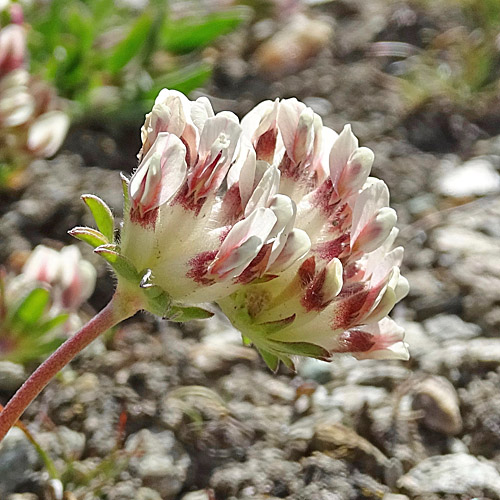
column 121, row 306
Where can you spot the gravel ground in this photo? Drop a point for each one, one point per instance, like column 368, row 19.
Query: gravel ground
column 163, row 412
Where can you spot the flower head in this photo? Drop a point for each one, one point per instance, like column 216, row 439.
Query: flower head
column 71, row 278
column 276, row 219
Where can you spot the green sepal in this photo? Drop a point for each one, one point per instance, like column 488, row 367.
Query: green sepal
column 299, row 349
column 31, row 309
column 89, row 235
column 126, row 199
column 102, row 215
column 159, row 301
column 183, row 314
column 288, row 363
column 119, row 263
column 271, row 360
column 275, row 326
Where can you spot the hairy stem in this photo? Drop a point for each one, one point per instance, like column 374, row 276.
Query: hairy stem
column 122, row 306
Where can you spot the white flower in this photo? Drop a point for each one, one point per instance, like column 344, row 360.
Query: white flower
column 71, row 278
column 276, row 220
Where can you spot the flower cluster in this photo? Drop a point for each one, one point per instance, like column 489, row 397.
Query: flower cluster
column 31, row 122
column 71, row 278
column 40, row 306
column 276, row 219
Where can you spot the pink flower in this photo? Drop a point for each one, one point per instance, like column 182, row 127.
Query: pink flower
column 276, row 220
column 71, row 278
column 12, row 48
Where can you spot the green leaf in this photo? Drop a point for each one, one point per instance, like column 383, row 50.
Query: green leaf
column 271, row 360
column 35, row 352
column 131, row 44
column 89, row 235
column 51, row 324
column 31, row 309
column 120, row 264
column 102, row 215
column 184, row 80
column 190, row 33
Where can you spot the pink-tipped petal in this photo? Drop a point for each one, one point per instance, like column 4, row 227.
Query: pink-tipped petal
column 268, row 184
column 235, row 253
column 342, row 149
column 376, row 231
column 160, row 174
column 47, row 133
column 387, row 338
column 371, row 199
column 296, row 247
column 356, row 171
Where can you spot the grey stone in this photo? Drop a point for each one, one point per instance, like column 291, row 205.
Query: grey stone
column 159, row 460
column 449, row 326
column 63, row 443
column 197, row 495
column 476, row 177
column 458, row 473
column 438, row 399
column 12, row 376
column 18, row 458
column 418, row 339
column 476, row 353
column 22, row 496
column 462, row 241
column 147, row 494
column 351, row 398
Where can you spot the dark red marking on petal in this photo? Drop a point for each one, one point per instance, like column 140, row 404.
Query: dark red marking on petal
column 257, row 267
column 289, row 168
column 199, row 267
column 322, row 197
column 350, row 302
column 224, row 232
column 351, row 271
column 187, row 201
column 355, row 341
column 313, row 299
column 306, row 271
column 203, row 178
column 333, row 248
column 188, row 152
column 266, row 145
column 146, row 220
column 231, row 210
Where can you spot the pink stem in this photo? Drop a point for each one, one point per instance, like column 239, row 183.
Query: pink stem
column 118, row 309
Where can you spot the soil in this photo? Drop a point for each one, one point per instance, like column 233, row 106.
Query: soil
column 158, row 411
